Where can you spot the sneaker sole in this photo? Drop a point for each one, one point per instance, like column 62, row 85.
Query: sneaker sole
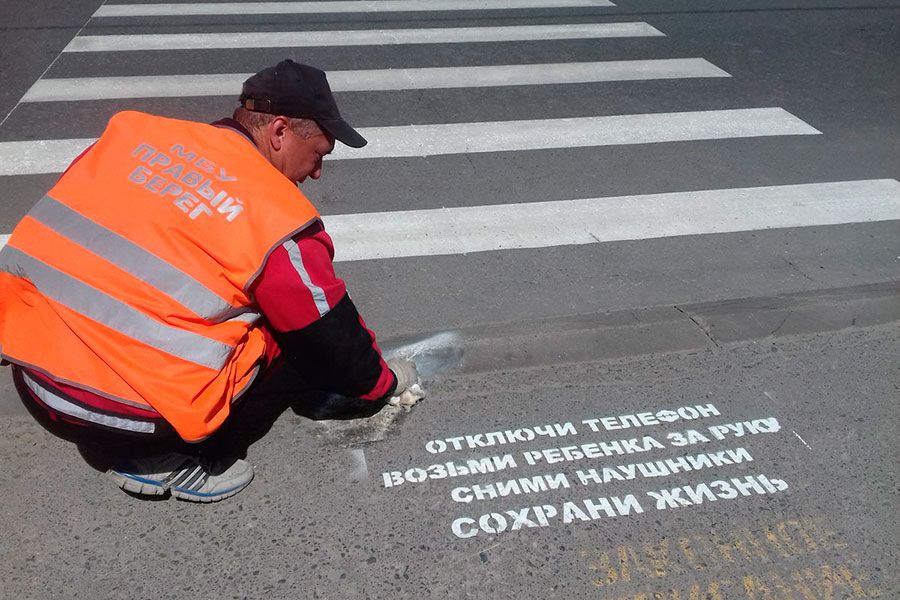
column 148, row 487
column 191, row 496
column 145, row 487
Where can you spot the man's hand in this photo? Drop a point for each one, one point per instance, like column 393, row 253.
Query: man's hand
column 405, row 371
column 408, row 390
column 409, row 397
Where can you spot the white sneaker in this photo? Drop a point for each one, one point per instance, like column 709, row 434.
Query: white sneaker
column 187, row 477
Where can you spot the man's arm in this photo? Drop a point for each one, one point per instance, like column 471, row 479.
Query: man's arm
column 318, row 328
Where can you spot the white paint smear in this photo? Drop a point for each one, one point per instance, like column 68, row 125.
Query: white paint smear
column 229, row 84
column 349, row 6
column 366, row 37
column 802, row 441
column 586, row 221
column 53, row 156
column 433, row 354
column 360, row 470
column 436, row 342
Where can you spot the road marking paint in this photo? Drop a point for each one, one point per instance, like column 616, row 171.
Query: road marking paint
column 359, row 37
column 3, row 240
column 508, row 136
column 483, row 553
column 802, row 441
column 360, row 470
column 433, row 354
column 445, row 231
column 228, row 84
column 380, row 6
column 40, row 156
column 53, row 156
column 586, row 221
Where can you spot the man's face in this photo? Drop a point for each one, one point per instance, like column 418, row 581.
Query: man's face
column 303, row 156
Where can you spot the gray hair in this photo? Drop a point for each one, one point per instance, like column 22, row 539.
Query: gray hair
column 255, row 121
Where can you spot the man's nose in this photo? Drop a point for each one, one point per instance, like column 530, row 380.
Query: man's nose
column 317, row 170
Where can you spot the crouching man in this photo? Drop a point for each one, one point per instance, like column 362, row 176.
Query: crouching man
column 173, row 270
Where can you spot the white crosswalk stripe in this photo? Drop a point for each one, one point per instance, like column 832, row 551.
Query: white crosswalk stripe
column 592, row 220
column 52, row 156
column 41, row 156
column 507, row 136
column 349, row 6
column 484, row 228
column 375, row 37
column 172, row 86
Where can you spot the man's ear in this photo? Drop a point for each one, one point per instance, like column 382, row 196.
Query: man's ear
column 277, row 132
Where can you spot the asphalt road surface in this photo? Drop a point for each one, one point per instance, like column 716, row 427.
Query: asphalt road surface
column 646, row 254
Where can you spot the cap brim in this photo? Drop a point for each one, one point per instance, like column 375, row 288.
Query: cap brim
column 343, row 133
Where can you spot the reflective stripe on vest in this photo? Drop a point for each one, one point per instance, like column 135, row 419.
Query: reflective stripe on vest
column 131, row 258
column 116, row 315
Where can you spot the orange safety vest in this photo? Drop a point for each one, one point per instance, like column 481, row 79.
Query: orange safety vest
column 130, row 277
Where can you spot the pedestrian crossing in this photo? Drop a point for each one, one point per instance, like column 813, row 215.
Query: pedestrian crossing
column 484, row 226
column 349, row 6
column 593, row 220
column 71, row 89
column 52, row 156
column 355, row 37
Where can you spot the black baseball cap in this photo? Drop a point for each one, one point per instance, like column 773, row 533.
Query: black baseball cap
column 296, row 90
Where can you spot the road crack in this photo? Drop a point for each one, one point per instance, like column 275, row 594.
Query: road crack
column 783, row 321
column 799, row 270
column 468, row 156
column 702, row 328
